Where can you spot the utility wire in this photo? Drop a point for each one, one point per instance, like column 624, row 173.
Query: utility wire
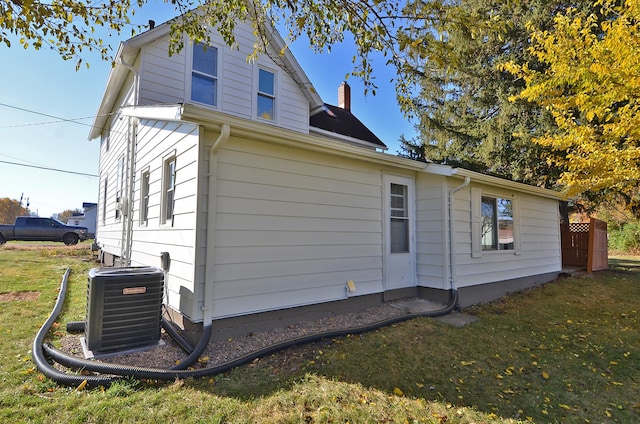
column 58, row 119
column 49, row 169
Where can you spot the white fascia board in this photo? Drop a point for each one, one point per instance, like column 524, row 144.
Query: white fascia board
column 292, row 65
column 438, row 169
column 253, row 130
column 166, row 112
column 127, row 53
column 508, row 184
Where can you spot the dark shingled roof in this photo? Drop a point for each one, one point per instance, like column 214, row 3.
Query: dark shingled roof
column 341, row 121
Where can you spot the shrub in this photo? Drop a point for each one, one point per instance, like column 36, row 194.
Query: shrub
column 625, row 237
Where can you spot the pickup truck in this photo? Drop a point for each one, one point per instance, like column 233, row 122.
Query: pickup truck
column 42, row 229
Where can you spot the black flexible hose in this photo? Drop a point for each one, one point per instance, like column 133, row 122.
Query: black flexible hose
column 78, row 327
column 169, row 374
column 38, row 355
column 176, row 336
column 75, row 326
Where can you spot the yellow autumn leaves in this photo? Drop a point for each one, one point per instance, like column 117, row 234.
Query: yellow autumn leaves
column 591, row 87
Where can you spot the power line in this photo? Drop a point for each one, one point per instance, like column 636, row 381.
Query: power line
column 49, row 169
column 58, row 119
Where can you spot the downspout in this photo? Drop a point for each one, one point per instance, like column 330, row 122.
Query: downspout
column 127, row 200
column 212, row 179
column 452, row 249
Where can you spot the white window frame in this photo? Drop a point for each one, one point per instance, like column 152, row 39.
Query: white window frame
column 168, row 189
column 262, row 94
column 119, row 184
column 215, row 78
column 400, row 214
column 477, row 194
column 104, row 199
column 145, row 185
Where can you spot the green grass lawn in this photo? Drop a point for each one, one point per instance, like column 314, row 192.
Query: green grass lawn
column 565, row 352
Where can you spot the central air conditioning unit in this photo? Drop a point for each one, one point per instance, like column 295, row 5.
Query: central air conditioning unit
column 124, row 308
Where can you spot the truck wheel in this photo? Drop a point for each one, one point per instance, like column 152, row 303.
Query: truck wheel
column 2, row 240
column 70, row 239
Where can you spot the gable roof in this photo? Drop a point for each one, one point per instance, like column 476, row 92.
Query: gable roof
column 128, row 52
column 341, row 121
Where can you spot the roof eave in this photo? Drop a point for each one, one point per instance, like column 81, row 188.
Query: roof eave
column 507, row 184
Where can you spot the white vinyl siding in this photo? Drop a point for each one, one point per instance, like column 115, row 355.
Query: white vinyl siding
column 167, row 79
column 536, row 239
column 431, row 231
column 293, row 228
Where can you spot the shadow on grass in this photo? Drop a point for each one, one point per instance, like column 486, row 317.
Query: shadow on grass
column 563, row 352
column 625, row 263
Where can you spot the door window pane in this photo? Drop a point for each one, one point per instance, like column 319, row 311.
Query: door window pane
column 399, row 228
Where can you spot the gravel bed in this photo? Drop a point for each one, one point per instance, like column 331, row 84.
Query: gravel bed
column 220, row 352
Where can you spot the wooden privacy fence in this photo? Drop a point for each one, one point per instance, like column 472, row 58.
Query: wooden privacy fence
column 584, row 244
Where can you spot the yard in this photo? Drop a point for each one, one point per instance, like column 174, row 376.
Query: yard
column 566, row 352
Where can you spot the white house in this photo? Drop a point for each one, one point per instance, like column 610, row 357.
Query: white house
column 261, row 201
column 87, row 218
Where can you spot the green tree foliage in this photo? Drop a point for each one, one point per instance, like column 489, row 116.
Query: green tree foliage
column 10, row 209
column 66, row 26
column 382, row 28
column 590, row 84
column 465, row 113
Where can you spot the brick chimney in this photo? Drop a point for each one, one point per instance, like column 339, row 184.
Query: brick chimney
column 344, row 96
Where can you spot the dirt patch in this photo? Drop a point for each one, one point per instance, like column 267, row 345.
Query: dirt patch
column 17, row 296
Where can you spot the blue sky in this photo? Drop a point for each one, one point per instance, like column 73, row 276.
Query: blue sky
column 39, row 83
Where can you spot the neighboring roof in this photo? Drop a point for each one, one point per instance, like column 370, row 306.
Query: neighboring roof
column 341, row 121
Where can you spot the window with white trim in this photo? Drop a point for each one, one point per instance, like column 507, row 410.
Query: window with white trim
column 119, row 180
column 144, row 197
column 399, row 228
column 169, row 186
column 266, row 94
column 497, row 224
column 104, row 199
column 204, row 74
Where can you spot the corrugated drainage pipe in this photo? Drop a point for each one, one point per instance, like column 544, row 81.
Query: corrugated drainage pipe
column 78, row 327
column 118, row 371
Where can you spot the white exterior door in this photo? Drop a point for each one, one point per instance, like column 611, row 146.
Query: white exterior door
column 399, row 207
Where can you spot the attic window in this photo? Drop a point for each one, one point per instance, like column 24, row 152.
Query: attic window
column 204, row 75
column 266, row 94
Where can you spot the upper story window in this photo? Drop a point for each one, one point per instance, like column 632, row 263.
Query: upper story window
column 266, row 94
column 204, row 74
column 497, row 224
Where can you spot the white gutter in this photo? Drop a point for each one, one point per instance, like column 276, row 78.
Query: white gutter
column 212, row 179
column 452, row 248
